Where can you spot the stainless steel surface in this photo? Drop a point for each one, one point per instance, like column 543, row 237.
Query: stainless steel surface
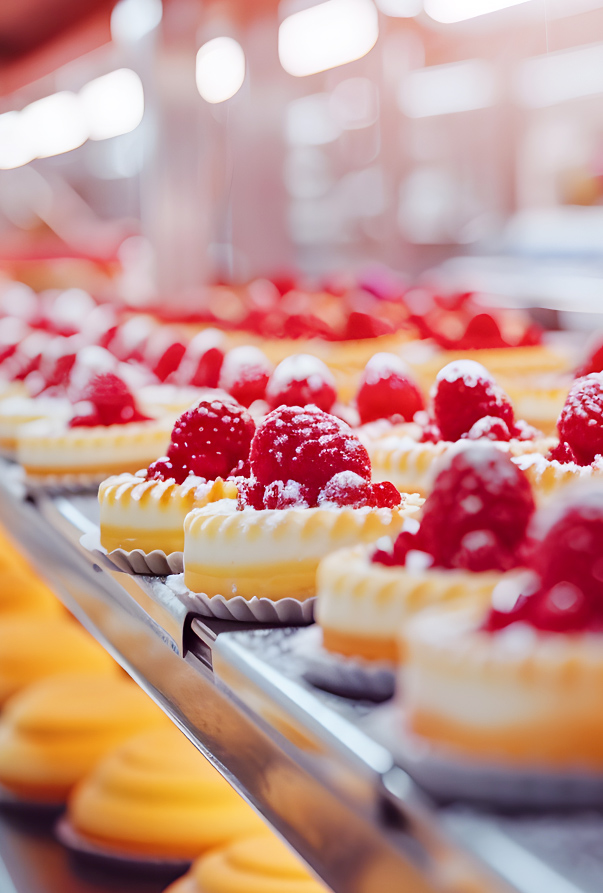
column 303, row 758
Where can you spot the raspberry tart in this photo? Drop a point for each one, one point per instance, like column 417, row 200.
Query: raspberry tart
column 466, row 404
column 107, row 433
column 209, row 445
column 521, row 686
column 309, row 493
column 471, row 531
column 579, row 453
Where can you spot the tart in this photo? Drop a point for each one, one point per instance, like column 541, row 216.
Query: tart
column 156, row 795
column 466, row 404
column 20, row 410
column 579, row 453
column 56, row 730
column 250, row 865
column 523, row 685
column 22, row 592
column 309, row 493
column 107, row 435
column 471, row 531
column 146, row 511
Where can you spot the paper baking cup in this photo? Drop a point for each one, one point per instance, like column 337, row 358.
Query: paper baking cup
column 13, row 803
column 448, row 777
column 285, row 611
column 116, row 858
column 155, row 564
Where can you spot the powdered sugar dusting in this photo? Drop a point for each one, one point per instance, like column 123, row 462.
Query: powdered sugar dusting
column 300, row 367
column 384, row 365
column 469, row 371
column 241, row 361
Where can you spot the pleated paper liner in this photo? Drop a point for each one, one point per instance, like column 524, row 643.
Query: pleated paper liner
column 155, row 564
column 26, row 807
column 116, row 859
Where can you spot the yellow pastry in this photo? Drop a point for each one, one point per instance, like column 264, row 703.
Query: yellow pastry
column 21, row 592
column 259, row 864
column 32, row 648
column 55, row 731
column 157, row 795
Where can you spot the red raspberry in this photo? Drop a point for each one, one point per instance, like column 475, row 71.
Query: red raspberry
column 569, row 568
column 346, row 488
column 12, row 332
column 245, row 373
column 306, row 445
column 285, row 495
column 164, row 353
column 477, row 514
column 57, row 362
column 250, row 494
column 489, row 428
column 27, row 357
column 210, row 440
column 464, row 393
column 201, row 364
column 107, row 400
column 363, row 325
column 594, row 360
column 562, row 453
column 301, row 379
column 387, row 390
column 386, row 495
column 580, row 424
column 482, row 332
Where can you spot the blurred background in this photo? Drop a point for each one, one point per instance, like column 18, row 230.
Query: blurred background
column 164, row 147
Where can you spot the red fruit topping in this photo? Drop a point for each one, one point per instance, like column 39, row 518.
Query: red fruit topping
column 387, row 390
column 306, row 445
column 69, row 311
column 211, row 440
column 245, row 373
column 562, row 453
column 27, row 357
column 12, row 332
column 202, row 362
column 164, row 353
column 306, row 325
column 482, row 332
column 250, row 494
column 57, row 362
column 594, row 360
column 386, row 495
column 285, row 495
column 567, row 595
column 362, row 325
column 346, row 488
column 131, row 338
column 106, row 400
column 301, row 379
column 580, row 424
column 489, row 428
column 465, row 392
column 477, row 514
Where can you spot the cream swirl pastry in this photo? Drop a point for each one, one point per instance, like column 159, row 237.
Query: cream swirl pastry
column 108, row 434
column 309, row 493
column 472, row 530
column 209, row 446
column 522, row 686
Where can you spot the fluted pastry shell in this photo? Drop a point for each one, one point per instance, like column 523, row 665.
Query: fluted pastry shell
column 53, row 453
column 409, row 464
column 275, row 553
column 259, row 864
column 549, row 476
column 139, row 514
column 32, row 649
column 361, row 605
column 156, row 794
column 18, row 411
column 56, row 730
column 22, row 592
column 515, row 697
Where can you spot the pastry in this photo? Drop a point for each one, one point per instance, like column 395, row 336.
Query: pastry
column 22, row 592
column 259, row 864
column 301, row 379
column 521, row 685
column 466, row 404
column 579, row 453
column 157, row 795
column 55, row 731
column 106, row 435
column 309, row 493
column 32, row 649
column 471, row 530
column 18, row 411
column 209, row 444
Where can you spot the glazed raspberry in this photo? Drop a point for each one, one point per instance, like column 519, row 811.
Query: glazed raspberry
column 245, row 373
column 106, row 400
column 301, row 379
column 562, row 453
column 210, row 440
column 387, row 390
column 363, row 325
column 306, row 445
column 346, row 488
column 386, row 495
column 464, row 393
column 489, row 428
column 482, row 332
column 580, row 424
column 569, row 568
column 477, row 514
